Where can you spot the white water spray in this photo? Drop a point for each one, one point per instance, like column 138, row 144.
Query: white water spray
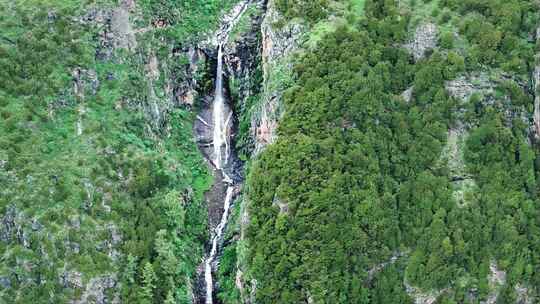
column 221, row 124
column 217, row 237
column 222, row 116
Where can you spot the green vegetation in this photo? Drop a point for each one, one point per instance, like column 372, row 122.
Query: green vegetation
column 185, row 20
column 102, row 183
column 360, row 173
column 95, row 189
column 244, row 23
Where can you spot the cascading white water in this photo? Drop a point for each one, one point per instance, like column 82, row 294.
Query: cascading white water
column 222, row 117
column 221, row 124
column 215, row 240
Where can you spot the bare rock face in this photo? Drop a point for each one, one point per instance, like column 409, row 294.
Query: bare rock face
column 95, row 291
column 536, row 84
column 425, row 39
column 121, row 26
column 465, row 86
column 497, row 279
column 71, row 279
column 184, row 92
column 114, row 27
column 420, row 296
column 277, row 44
column 278, row 41
column 266, row 124
column 408, row 94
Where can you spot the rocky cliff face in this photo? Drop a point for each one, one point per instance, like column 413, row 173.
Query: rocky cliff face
column 279, row 40
column 257, row 49
column 535, row 87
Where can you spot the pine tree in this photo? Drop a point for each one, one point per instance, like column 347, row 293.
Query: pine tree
column 149, row 278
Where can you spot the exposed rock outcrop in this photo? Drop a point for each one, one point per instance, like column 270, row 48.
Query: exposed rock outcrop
column 497, row 279
column 536, row 92
column 453, row 155
column 420, row 296
column 465, row 86
column 185, row 91
column 71, row 279
column 283, row 206
column 95, row 291
column 425, row 39
column 13, row 227
column 121, row 25
column 407, row 95
column 486, row 88
column 379, row 267
column 278, row 42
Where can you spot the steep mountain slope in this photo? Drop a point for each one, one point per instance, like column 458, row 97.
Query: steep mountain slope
column 102, row 183
column 373, row 195
column 376, row 151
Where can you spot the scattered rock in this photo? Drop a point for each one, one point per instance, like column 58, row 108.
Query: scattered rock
column 5, row 282
column 75, row 222
column 36, row 225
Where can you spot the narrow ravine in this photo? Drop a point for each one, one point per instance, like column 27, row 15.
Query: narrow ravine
column 221, row 156
column 221, row 119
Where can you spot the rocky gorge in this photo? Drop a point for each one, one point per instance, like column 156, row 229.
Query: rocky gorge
column 269, row 151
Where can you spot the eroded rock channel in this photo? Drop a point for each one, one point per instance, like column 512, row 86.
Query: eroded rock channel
column 214, row 130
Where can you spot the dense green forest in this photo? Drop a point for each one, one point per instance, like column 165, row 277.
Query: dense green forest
column 360, row 172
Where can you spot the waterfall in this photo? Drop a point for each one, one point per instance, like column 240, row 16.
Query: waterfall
column 221, row 125
column 222, row 117
column 217, row 237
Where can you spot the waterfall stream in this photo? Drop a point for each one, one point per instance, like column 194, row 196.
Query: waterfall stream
column 221, row 124
column 222, row 117
column 213, row 251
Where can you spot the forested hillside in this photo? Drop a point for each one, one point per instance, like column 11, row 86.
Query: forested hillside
column 376, row 151
column 373, row 195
